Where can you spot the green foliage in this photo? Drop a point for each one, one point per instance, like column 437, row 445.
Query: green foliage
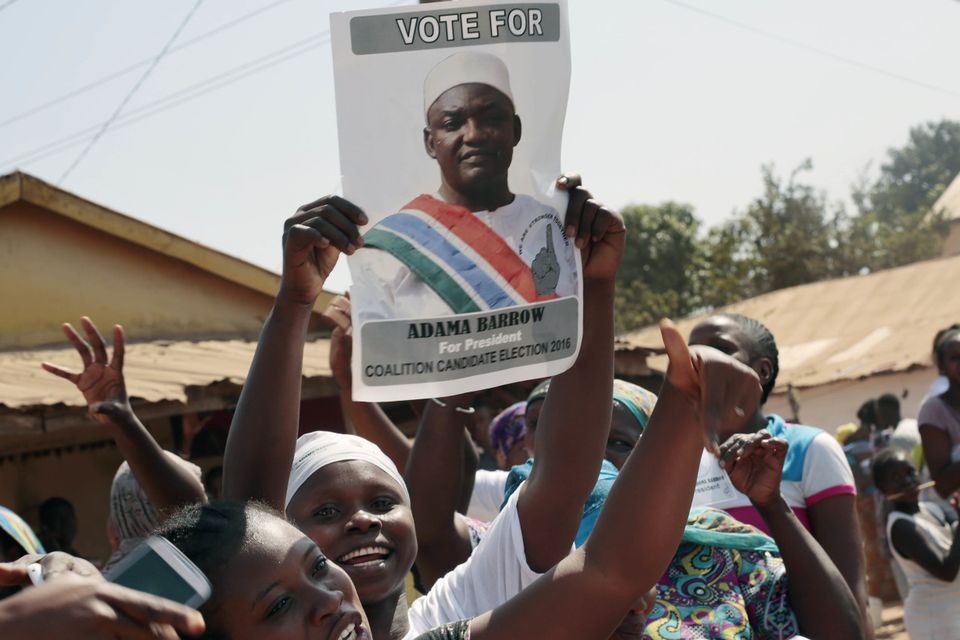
column 787, row 236
column 655, row 279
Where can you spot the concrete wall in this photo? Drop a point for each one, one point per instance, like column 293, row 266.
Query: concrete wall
column 53, row 270
column 831, row 405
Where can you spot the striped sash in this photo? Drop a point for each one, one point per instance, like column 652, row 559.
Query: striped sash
column 463, row 260
column 20, row 531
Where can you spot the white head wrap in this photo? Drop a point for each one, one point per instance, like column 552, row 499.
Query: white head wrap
column 465, row 68
column 320, row 448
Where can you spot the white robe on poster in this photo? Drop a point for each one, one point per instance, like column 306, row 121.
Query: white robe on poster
column 384, row 288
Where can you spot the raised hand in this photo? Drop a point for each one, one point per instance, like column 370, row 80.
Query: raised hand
column 312, row 242
column 546, row 267
column 754, row 462
column 89, row 607
column 101, row 382
column 718, row 386
column 600, row 233
column 341, row 341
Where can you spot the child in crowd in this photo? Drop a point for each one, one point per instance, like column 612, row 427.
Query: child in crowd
column 926, row 545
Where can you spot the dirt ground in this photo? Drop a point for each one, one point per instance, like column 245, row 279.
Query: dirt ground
column 892, row 628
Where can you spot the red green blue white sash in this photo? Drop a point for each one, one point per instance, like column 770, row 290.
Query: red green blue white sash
column 463, row 260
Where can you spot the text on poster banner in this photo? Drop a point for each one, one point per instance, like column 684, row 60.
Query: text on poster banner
column 472, row 344
column 437, row 29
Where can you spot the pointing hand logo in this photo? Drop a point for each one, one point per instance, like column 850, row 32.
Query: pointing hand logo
column 546, row 267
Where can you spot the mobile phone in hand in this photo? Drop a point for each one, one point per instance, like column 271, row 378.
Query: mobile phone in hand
column 159, row 568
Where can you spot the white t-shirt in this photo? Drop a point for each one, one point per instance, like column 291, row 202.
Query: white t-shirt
column 815, row 469
column 496, row 572
column 384, row 288
column 487, row 496
column 932, row 607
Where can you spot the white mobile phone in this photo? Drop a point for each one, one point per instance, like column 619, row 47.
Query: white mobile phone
column 159, row 568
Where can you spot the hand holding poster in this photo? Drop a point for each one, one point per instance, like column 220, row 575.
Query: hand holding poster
column 450, row 118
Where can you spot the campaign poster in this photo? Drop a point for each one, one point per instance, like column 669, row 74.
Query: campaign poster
column 450, row 119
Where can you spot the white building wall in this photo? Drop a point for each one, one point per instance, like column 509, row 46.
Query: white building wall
column 831, row 405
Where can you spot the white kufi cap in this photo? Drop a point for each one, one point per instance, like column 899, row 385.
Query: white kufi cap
column 466, row 68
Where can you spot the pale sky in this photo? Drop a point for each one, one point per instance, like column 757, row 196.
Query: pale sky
column 666, row 103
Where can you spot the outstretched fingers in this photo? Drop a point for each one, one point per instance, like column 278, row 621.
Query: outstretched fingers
column 119, row 349
column 61, row 372
column 86, row 354
column 95, row 340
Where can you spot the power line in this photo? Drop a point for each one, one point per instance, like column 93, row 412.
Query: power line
column 133, row 67
column 176, row 98
column 6, row 4
column 822, row 52
column 130, row 94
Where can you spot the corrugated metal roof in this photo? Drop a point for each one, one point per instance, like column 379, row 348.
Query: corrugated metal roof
column 848, row 328
column 155, row 371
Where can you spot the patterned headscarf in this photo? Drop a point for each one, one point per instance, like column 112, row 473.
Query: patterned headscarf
column 635, row 399
column 20, row 531
column 132, row 514
column 508, row 427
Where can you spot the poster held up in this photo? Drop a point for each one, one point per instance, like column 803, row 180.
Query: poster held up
column 450, row 117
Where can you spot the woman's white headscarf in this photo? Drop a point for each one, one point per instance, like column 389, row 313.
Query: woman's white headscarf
column 321, row 448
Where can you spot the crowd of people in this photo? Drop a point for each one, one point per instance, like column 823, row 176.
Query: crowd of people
column 600, row 520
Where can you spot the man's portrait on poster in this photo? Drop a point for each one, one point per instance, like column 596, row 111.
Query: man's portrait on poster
column 473, row 245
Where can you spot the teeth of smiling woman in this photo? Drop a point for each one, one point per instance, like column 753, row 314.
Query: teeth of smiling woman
column 350, row 633
column 365, row 551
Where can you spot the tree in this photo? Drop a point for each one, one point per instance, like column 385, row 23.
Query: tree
column 789, row 235
column 897, row 223
column 789, row 231
column 658, row 273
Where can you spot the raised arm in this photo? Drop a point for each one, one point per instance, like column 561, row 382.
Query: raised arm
column 263, row 435
column 575, row 419
column 167, row 484
column 366, row 419
column 834, row 522
column 820, row 597
column 640, row 525
column 435, row 477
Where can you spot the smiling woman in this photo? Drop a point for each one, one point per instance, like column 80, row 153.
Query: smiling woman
column 349, row 498
column 268, row 576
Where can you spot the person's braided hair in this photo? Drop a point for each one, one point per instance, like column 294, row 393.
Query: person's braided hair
column 764, row 346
